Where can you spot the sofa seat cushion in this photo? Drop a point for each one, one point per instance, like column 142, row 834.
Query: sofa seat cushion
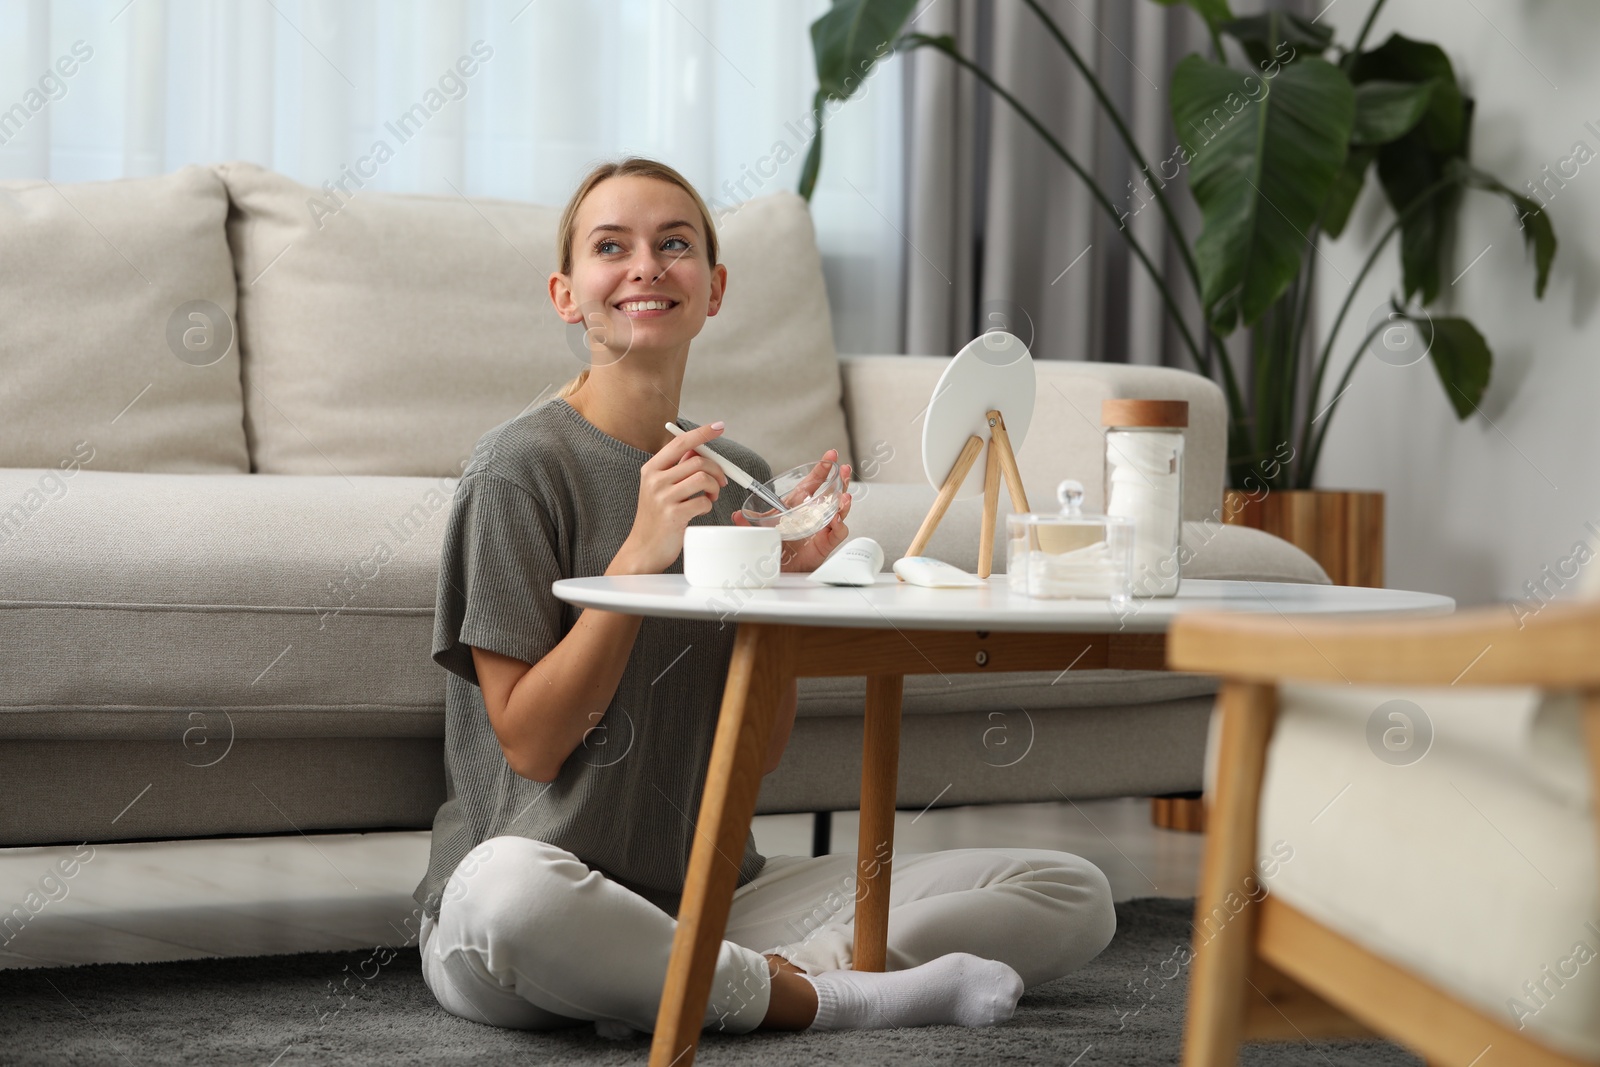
column 104, row 363
column 383, row 334
column 301, row 606
column 1456, row 841
column 268, row 606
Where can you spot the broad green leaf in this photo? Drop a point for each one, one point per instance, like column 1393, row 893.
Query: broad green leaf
column 1462, row 358
column 1400, row 59
column 850, row 39
column 1387, row 111
column 1538, row 234
column 1215, row 12
column 1278, row 37
column 1406, row 169
column 1262, row 165
column 1416, row 160
column 1345, row 190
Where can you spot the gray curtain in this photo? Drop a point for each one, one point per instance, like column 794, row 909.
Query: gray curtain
column 1003, row 233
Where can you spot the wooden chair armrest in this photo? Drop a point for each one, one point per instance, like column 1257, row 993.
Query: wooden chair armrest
column 1558, row 648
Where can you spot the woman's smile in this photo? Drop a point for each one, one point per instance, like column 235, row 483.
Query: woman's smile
column 646, row 307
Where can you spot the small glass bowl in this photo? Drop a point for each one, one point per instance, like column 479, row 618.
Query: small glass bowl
column 813, row 492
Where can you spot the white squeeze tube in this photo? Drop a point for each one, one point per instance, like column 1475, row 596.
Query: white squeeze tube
column 933, row 573
column 856, row 562
column 1144, row 482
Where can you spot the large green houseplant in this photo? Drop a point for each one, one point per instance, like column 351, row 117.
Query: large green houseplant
column 1278, row 131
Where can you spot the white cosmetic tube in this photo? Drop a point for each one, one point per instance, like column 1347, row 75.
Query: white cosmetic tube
column 856, row 562
column 933, row 573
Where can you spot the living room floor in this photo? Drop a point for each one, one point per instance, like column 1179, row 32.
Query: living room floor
column 166, row 900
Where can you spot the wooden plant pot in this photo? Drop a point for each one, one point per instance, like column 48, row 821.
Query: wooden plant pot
column 1341, row 530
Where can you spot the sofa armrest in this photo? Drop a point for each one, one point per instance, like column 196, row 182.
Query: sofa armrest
column 885, row 396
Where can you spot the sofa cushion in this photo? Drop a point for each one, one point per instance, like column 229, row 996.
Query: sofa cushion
column 1220, row 552
column 386, row 336
column 98, row 281
column 300, row 606
column 269, row 606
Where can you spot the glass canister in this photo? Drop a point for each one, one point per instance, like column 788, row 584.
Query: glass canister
column 1144, row 483
column 1069, row 553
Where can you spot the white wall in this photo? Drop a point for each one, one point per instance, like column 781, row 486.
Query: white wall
column 1477, row 509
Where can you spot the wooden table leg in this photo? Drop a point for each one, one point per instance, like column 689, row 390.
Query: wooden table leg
column 762, row 664
column 880, row 772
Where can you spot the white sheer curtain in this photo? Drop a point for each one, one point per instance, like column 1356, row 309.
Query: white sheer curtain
column 720, row 89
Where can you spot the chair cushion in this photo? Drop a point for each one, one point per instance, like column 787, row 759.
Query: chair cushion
column 387, row 336
column 97, row 284
column 1472, row 865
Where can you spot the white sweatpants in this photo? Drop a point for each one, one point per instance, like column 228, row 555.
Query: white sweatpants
column 528, row 937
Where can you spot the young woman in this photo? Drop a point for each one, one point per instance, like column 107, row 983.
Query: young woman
column 576, row 743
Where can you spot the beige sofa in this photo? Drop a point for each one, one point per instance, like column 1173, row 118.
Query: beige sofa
column 232, row 413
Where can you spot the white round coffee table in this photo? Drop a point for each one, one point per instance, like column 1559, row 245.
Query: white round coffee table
column 797, row 628
column 993, row 606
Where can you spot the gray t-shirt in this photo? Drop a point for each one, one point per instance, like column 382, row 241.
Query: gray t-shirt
column 549, row 495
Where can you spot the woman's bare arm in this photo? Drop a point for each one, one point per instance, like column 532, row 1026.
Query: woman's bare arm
column 541, row 712
column 782, row 727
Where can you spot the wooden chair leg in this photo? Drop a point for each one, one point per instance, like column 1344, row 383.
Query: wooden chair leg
column 1224, row 938
column 762, row 663
column 880, row 772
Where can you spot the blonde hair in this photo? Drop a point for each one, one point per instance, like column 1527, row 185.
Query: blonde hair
column 632, row 166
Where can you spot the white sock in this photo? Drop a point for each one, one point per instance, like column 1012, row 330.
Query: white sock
column 959, row 988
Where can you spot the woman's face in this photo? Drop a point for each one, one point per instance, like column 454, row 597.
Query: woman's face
column 640, row 272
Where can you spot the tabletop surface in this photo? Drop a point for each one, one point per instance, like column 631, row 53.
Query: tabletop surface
column 794, row 598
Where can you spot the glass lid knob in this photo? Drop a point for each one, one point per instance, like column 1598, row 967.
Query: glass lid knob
column 1070, row 495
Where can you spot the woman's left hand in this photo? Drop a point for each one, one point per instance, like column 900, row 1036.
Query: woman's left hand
column 803, row 557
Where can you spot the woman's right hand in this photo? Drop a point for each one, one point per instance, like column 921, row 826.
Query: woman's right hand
column 671, row 484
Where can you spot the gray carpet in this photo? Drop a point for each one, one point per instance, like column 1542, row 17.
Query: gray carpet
column 1125, row 1008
